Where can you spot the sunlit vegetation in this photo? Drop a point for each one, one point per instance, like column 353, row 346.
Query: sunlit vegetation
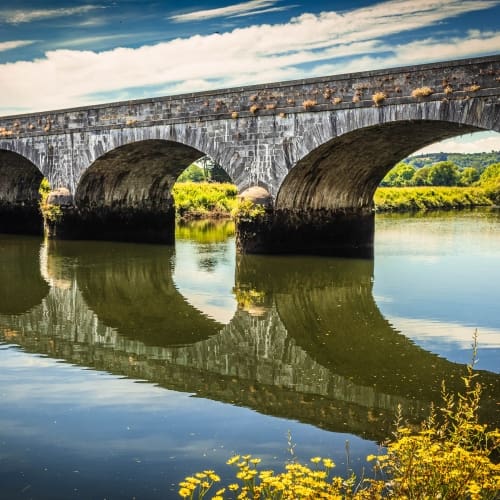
column 429, row 198
column 201, row 199
column 450, row 456
column 440, row 185
column 50, row 212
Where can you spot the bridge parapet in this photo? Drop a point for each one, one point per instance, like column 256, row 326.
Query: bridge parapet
column 452, row 81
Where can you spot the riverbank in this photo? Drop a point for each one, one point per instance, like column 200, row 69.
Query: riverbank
column 410, row 199
column 197, row 200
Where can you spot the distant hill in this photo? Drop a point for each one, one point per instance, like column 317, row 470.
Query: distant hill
column 462, row 160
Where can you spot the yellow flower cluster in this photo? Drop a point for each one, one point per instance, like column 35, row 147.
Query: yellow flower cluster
column 450, row 457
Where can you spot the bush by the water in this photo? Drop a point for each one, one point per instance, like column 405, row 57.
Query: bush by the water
column 429, row 198
column 199, row 199
column 449, row 457
column 490, row 182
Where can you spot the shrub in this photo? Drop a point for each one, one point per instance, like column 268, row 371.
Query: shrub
column 406, row 199
column 309, row 103
column 195, row 199
column 247, row 210
column 490, row 182
column 422, row 92
column 50, row 212
column 378, row 98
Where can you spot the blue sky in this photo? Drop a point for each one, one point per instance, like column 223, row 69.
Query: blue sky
column 62, row 53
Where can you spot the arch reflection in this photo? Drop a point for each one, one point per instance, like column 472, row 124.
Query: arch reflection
column 307, row 341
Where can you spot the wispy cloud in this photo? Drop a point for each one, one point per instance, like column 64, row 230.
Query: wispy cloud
column 490, row 141
column 229, row 11
column 309, row 45
column 14, row 44
column 264, row 11
column 28, row 16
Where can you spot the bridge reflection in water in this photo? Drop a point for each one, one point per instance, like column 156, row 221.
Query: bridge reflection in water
column 307, row 341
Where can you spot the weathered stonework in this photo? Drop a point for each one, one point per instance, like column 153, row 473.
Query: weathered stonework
column 329, row 155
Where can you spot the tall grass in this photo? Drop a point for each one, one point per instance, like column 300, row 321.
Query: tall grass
column 204, row 199
column 406, row 199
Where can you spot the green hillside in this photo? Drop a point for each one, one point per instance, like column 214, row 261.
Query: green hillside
column 479, row 161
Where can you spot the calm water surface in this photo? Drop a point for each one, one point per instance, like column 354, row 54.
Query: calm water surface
column 124, row 367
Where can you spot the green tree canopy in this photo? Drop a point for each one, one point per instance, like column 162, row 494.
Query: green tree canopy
column 491, row 173
column 401, row 175
column 193, row 173
column 421, row 177
column 444, row 173
column 468, row 176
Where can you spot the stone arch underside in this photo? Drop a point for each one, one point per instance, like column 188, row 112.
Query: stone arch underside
column 19, row 197
column 344, row 172
column 126, row 193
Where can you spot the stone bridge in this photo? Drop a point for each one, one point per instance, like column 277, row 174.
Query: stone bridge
column 317, row 148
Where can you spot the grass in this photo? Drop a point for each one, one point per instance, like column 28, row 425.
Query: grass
column 407, row 199
column 204, row 199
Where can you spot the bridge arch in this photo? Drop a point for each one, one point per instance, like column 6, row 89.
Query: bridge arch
column 345, row 171
column 324, row 204
column 125, row 194
column 20, row 182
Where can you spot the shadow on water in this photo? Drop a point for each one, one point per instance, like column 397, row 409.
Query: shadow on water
column 307, row 342
column 21, row 284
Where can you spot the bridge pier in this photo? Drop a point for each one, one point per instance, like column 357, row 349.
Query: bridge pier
column 127, row 224
column 340, row 232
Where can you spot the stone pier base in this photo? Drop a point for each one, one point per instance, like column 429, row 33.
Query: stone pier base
column 131, row 225
column 340, row 233
column 20, row 218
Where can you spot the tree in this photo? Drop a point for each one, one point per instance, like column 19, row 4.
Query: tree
column 490, row 173
column 444, row 173
column 490, row 181
column 401, row 175
column 421, row 177
column 192, row 174
column 468, row 176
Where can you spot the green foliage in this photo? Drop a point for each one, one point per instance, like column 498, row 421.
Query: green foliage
column 429, row 198
column 50, row 213
column 444, row 173
column 421, row 177
column 490, row 182
column 247, row 210
column 401, row 175
column 205, row 198
column 479, row 161
column 468, row 176
column 491, row 173
column 204, row 169
column 193, row 173
column 449, row 457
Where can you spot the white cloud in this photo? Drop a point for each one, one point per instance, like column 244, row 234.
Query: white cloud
column 14, row 44
column 259, row 53
column 230, row 10
column 474, row 143
column 27, row 16
column 264, row 11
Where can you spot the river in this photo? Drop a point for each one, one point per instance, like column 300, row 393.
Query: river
column 124, row 368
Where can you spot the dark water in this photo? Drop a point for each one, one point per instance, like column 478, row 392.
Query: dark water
column 124, row 368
